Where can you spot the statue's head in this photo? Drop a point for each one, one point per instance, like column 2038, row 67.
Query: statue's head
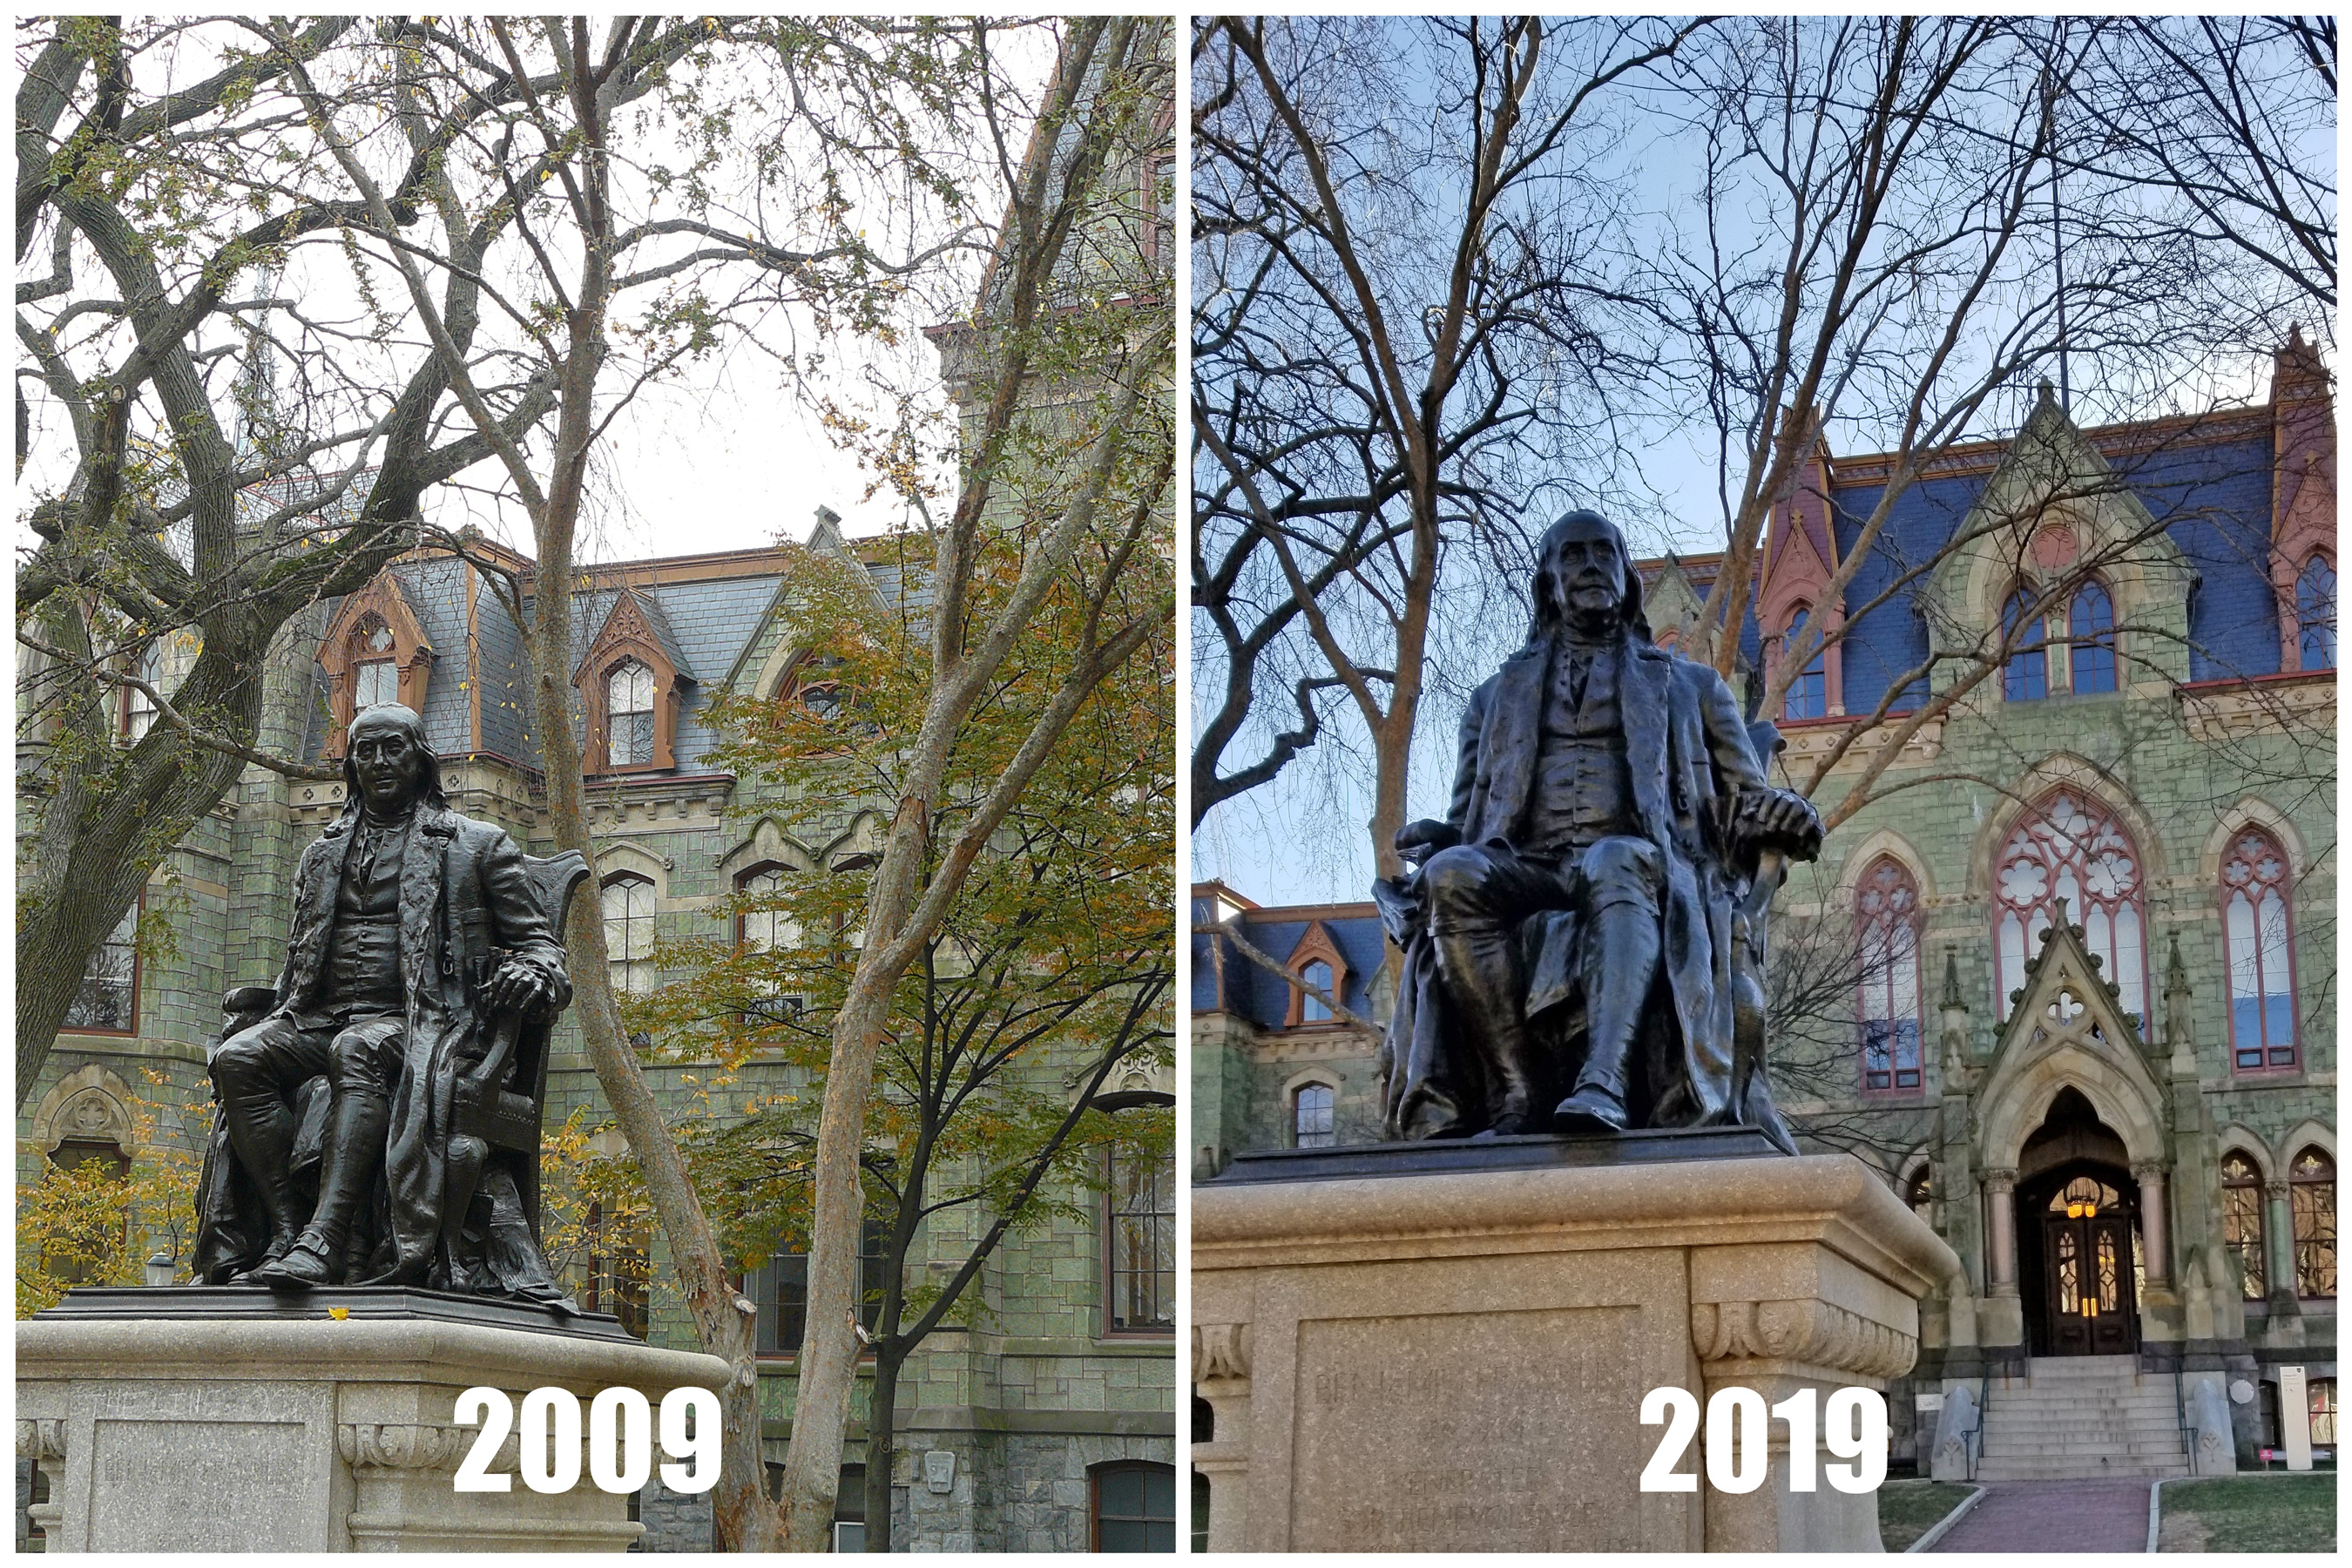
column 1585, row 577
column 386, row 762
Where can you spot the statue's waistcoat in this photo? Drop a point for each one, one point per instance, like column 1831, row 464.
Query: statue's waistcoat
column 1582, row 792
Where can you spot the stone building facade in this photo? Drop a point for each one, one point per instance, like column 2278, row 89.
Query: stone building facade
column 2161, row 759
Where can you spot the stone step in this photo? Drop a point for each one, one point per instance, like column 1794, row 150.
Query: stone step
column 2060, row 1471
column 2020, row 1447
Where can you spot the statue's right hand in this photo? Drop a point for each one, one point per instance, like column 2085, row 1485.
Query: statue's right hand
column 1428, row 836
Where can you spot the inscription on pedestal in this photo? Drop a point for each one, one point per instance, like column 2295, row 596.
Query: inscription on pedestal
column 146, row 1474
column 1400, row 1421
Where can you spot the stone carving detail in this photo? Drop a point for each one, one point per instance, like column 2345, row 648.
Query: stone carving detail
column 387, row 1446
column 1814, row 1332
column 2146, row 1169
column 1221, row 1350
column 40, row 1440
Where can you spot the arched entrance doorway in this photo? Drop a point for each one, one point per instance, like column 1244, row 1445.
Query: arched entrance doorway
column 2083, row 1270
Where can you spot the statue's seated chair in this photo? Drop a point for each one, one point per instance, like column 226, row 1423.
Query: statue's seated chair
column 501, row 1100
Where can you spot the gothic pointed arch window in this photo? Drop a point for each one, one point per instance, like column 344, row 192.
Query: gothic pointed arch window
column 2255, row 924
column 628, row 902
column 2315, row 613
column 1809, row 692
column 2074, row 849
column 1312, row 1112
column 1886, row 928
column 2091, row 640
column 2241, row 1223
column 2311, row 1202
column 2026, row 677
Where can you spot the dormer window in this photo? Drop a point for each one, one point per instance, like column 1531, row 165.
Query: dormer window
column 1312, row 1008
column 1319, row 977
column 375, row 679
column 2026, row 677
column 2315, row 613
column 1809, row 693
column 630, row 689
column 375, row 652
column 2091, row 625
column 629, row 740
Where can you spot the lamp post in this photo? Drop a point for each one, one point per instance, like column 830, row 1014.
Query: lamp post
column 161, row 1268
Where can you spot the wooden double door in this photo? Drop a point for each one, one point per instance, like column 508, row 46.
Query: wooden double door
column 2086, row 1271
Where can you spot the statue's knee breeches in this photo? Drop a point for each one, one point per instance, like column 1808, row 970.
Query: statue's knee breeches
column 1458, row 884
column 274, row 1054
column 1630, row 871
column 365, row 1059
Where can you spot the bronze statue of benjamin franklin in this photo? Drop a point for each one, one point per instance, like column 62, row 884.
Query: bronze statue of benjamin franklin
column 416, row 933
column 1584, row 940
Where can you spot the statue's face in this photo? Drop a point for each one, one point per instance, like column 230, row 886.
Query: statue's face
column 388, row 761
column 1584, row 566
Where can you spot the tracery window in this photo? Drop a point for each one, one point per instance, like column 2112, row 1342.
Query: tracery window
column 1887, row 919
column 629, row 714
column 2091, row 633
column 629, row 933
column 2315, row 613
column 1809, row 693
column 1311, row 1117
column 2026, row 677
column 2242, row 1224
column 2254, row 923
column 1312, row 1008
column 2311, row 1200
column 2071, row 849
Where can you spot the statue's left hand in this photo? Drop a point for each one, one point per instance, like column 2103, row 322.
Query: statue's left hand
column 1784, row 819
column 518, row 983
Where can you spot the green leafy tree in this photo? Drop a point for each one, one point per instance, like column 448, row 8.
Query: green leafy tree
column 1041, row 996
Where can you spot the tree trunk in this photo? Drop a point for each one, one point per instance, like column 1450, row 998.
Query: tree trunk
column 881, row 1442
column 95, row 848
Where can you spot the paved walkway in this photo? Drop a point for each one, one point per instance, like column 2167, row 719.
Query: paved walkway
column 2054, row 1516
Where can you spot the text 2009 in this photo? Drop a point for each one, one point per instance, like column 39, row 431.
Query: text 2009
column 620, row 1439
column 1738, row 1454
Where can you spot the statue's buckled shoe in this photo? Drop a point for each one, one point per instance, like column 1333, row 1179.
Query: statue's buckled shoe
column 1590, row 1110
column 302, row 1266
column 279, row 1246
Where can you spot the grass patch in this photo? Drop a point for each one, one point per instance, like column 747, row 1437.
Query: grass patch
column 1909, row 1510
column 2249, row 1514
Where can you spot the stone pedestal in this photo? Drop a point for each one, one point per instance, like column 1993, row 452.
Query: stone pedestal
column 309, row 1433
column 1456, row 1361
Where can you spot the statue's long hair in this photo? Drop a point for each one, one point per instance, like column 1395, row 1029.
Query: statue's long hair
column 408, row 719
column 1549, row 612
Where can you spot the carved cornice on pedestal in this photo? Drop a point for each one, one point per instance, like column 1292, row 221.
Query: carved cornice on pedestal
column 40, row 1440
column 407, row 1446
column 1814, row 1333
column 1221, row 1350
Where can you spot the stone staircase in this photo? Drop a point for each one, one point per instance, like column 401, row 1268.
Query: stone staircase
column 2080, row 1418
